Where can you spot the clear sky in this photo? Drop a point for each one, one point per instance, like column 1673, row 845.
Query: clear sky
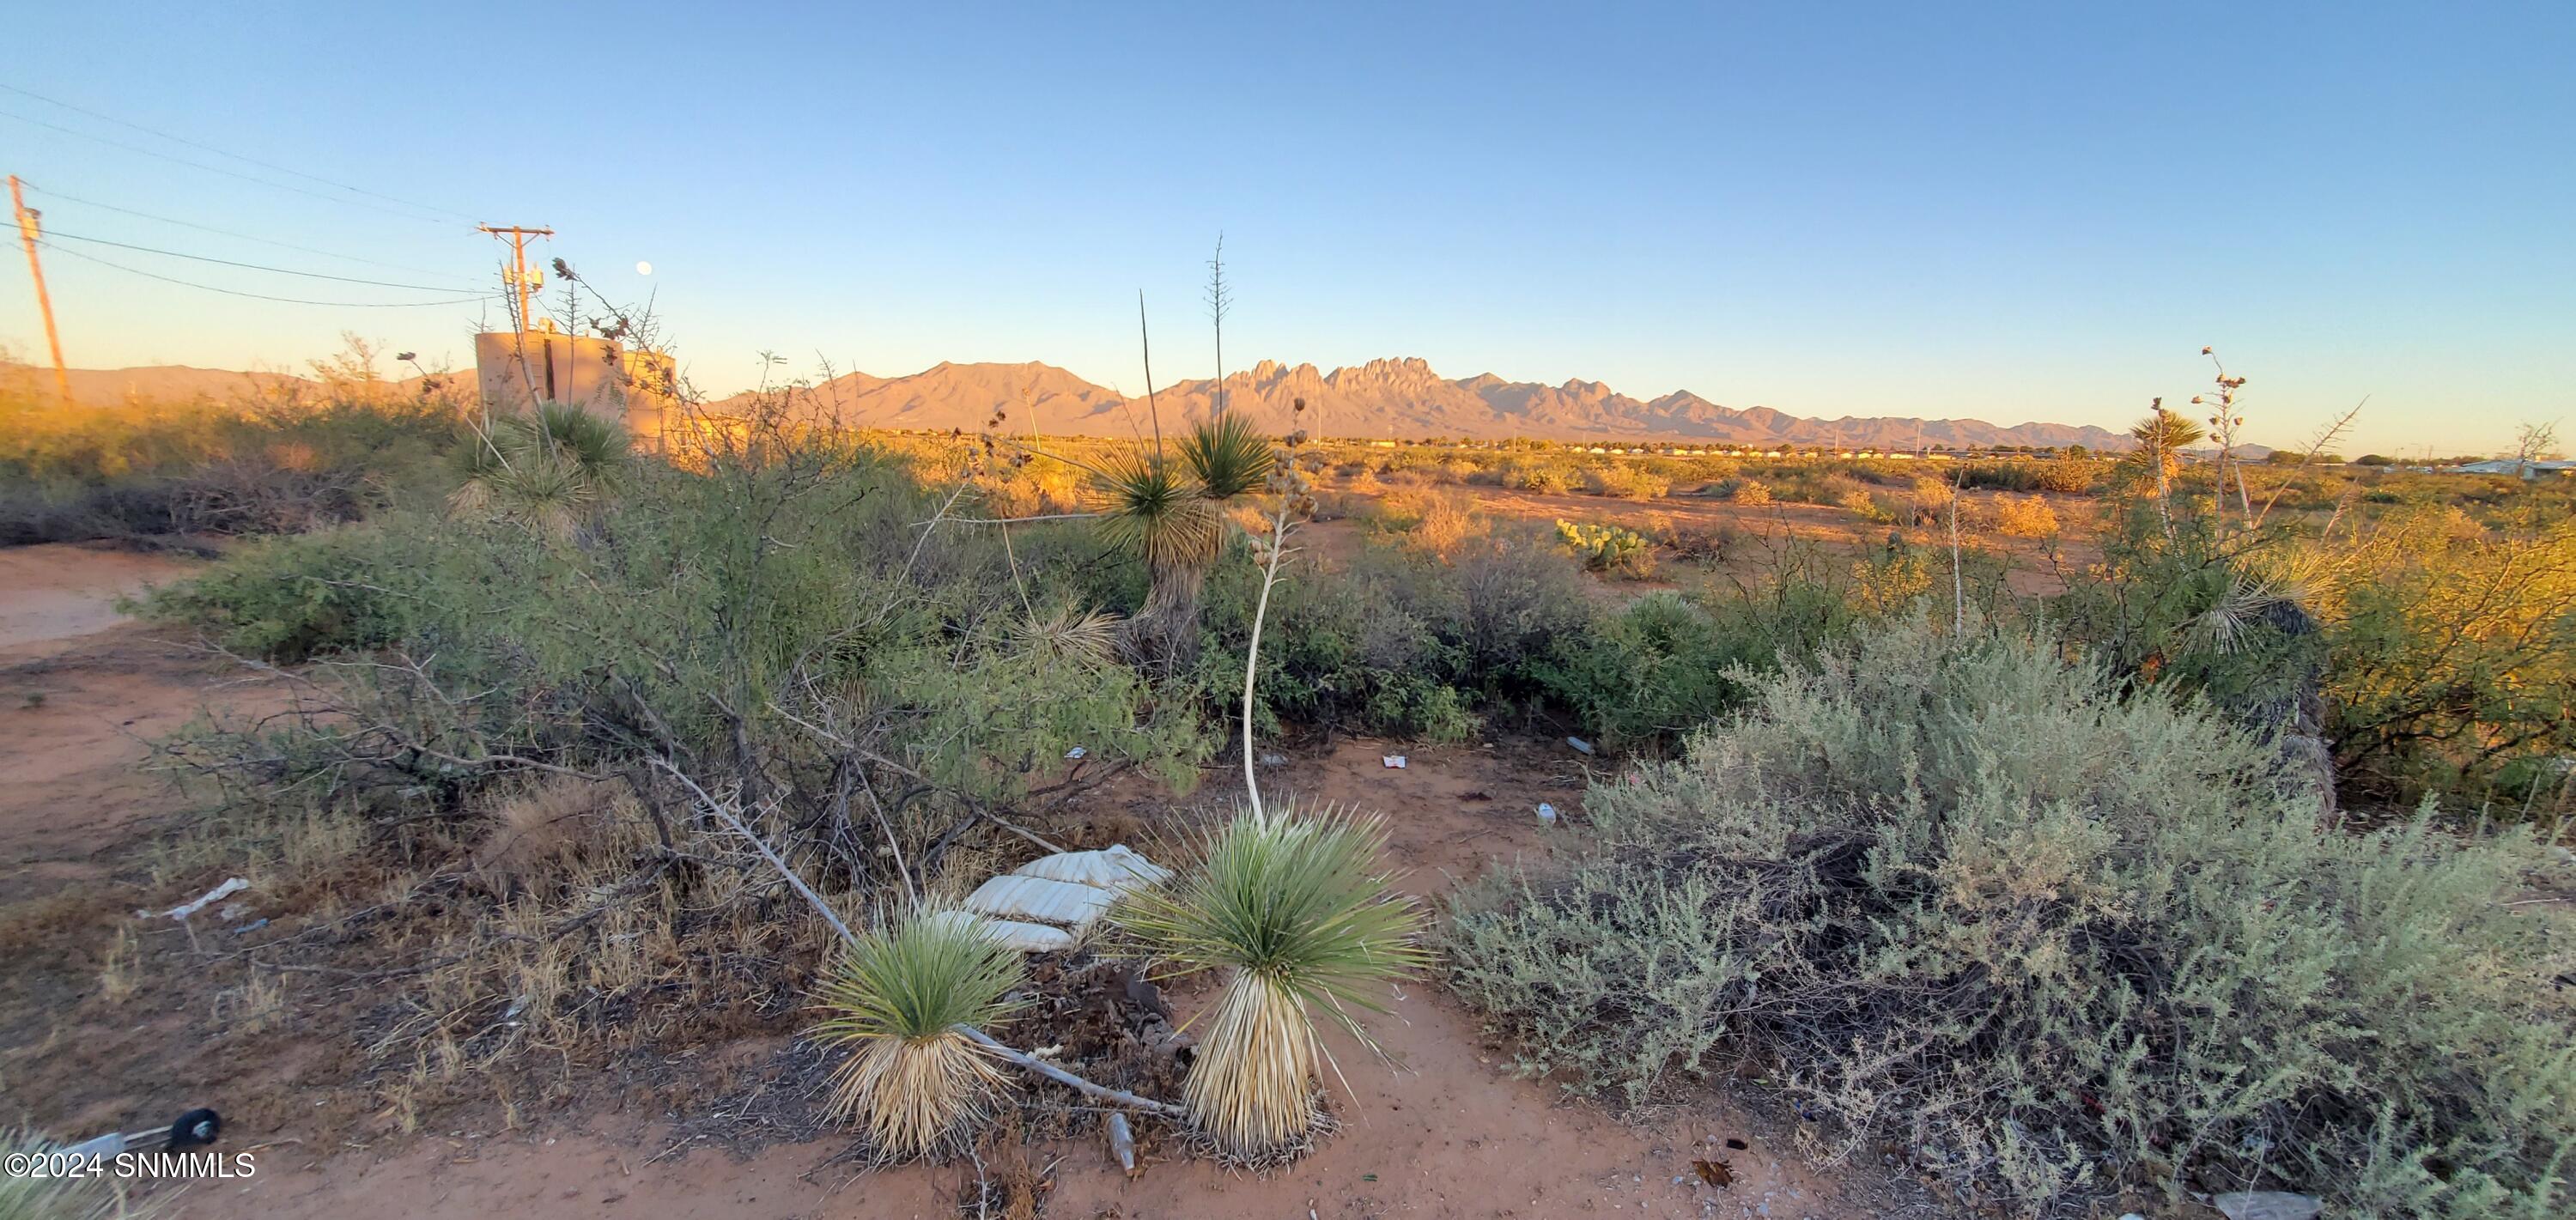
column 2010, row 213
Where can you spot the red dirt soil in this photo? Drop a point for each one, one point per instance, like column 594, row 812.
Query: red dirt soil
column 1448, row 1134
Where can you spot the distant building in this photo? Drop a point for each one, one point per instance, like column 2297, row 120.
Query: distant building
column 2523, row 468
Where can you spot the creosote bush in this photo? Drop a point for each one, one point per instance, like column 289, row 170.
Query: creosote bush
column 1963, row 894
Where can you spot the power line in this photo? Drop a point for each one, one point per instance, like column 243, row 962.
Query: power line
column 207, row 258
column 203, row 147
column 217, row 169
column 205, row 228
column 261, row 296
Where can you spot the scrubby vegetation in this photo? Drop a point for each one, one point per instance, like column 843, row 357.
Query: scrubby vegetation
column 1965, row 893
column 1983, row 809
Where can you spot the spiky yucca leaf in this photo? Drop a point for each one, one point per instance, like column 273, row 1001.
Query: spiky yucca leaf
column 1227, row 456
column 1067, row 633
column 1293, row 907
column 543, row 469
column 29, row 1196
column 1150, row 505
column 898, row 997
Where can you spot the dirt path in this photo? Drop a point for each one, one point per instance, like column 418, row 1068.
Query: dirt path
column 1449, row 1134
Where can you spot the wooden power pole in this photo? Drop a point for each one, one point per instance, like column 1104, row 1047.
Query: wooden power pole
column 28, row 232
column 519, row 279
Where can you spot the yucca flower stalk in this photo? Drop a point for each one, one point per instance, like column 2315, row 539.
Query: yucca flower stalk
column 1292, row 907
column 904, row 999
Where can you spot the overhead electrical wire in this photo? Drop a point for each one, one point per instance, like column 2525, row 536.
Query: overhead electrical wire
column 217, row 169
column 204, row 147
column 206, row 228
column 207, row 258
column 262, row 296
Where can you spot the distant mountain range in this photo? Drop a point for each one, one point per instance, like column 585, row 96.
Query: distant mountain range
column 1398, row 399
column 1401, row 399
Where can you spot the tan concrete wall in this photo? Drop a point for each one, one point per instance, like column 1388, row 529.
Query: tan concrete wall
column 518, row 370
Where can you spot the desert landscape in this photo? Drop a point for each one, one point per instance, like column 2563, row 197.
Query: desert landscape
column 1288, row 614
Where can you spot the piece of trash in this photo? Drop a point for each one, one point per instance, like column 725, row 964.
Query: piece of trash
column 1715, row 1173
column 1122, row 1144
column 1546, row 814
column 1394, row 761
column 252, row 926
column 232, row 912
column 1580, row 745
column 1274, row 760
column 1076, row 752
column 2266, row 1205
column 1368, row 1177
column 1737, row 1144
column 210, row 897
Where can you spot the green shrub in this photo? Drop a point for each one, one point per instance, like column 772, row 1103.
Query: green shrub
column 1963, row 894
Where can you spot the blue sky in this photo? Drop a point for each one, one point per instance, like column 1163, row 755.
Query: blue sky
column 2037, row 212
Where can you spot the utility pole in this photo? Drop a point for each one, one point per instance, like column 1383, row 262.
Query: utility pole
column 519, row 275
column 28, row 232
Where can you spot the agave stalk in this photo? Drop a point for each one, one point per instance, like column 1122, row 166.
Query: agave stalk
column 907, row 999
column 1292, row 908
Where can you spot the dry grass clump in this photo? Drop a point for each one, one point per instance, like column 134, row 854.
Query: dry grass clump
column 540, row 827
column 1432, row 520
column 1291, row 906
column 898, row 997
column 1753, row 493
column 2054, row 938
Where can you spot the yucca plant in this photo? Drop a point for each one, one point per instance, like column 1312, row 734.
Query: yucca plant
column 1153, row 506
column 543, row 470
column 1227, row 456
column 1292, row 907
column 898, row 997
column 27, row 1196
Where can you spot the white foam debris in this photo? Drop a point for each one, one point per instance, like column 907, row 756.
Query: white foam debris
column 1050, row 902
column 1114, row 868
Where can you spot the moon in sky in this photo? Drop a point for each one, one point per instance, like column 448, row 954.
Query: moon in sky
column 643, row 268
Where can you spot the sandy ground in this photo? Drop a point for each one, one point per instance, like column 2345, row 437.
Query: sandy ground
column 1447, row 1133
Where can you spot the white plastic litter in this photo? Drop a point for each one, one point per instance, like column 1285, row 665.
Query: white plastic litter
column 1546, row 814
column 1038, row 900
column 1395, row 761
column 1580, row 745
column 186, row 909
column 1076, row 753
column 1114, row 868
column 1011, row 933
column 2266, row 1205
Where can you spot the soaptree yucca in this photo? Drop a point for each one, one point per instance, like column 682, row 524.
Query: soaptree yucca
column 1292, row 908
column 1155, row 507
column 1227, row 456
column 543, row 470
column 899, row 998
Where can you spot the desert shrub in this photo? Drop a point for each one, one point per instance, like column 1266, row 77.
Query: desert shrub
column 1540, row 475
column 1627, row 481
column 1860, row 503
column 157, row 468
column 1963, row 894
column 2453, row 670
column 1612, row 549
column 289, row 599
column 1747, row 491
column 1372, row 648
column 2024, row 517
column 1436, row 521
